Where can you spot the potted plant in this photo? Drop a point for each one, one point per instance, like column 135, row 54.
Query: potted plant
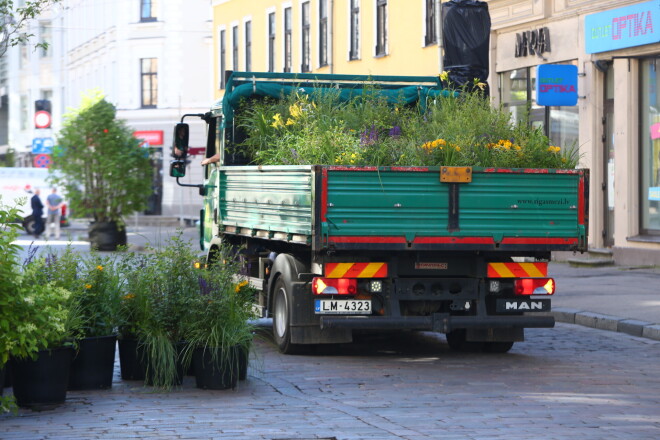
column 9, row 270
column 103, row 169
column 44, row 325
column 157, row 305
column 95, row 285
column 218, row 329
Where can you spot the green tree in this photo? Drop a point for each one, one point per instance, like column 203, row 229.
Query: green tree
column 13, row 18
column 105, row 172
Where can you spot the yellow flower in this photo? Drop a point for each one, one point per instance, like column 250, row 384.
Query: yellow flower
column 481, row 85
column 553, row 149
column 295, row 110
column 129, row 296
column 444, row 76
column 290, row 121
column 99, row 267
column 240, row 285
column 88, row 286
column 278, row 121
column 457, row 148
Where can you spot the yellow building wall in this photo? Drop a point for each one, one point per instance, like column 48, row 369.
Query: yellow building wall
column 406, row 54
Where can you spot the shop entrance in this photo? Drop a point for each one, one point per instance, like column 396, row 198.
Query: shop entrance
column 608, row 157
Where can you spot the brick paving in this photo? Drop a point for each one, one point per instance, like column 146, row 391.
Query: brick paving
column 561, row 383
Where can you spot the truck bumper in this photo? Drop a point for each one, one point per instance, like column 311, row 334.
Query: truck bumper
column 438, row 322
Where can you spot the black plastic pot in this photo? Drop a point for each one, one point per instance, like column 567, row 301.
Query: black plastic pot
column 132, row 361
column 243, row 361
column 106, row 236
column 42, row 383
column 215, row 369
column 93, row 364
column 2, row 378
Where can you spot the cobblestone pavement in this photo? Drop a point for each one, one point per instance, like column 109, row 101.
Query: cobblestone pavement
column 566, row 382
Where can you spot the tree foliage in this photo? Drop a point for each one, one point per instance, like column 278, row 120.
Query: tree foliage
column 14, row 16
column 105, row 172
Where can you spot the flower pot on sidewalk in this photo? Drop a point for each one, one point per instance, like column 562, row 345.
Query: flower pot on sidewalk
column 215, row 368
column 93, row 364
column 42, row 383
column 132, row 362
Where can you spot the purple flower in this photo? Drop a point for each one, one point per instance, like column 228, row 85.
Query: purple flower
column 395, row 132
column 369, row 136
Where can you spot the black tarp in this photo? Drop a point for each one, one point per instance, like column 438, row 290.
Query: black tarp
column 466, row 41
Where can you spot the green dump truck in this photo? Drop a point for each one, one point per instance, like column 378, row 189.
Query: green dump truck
column 333, row 249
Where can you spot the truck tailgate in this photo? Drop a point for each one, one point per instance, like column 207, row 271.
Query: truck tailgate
column 409, row 207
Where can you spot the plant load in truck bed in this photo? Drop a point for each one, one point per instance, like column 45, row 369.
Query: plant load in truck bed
column 372, row 126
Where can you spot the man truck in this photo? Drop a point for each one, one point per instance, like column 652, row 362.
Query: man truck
column 332, row 249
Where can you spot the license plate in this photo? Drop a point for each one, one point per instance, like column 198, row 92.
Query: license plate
column 343, row 307
column 522, row 305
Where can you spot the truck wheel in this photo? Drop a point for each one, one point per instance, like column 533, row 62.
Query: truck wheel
column 456, row 341
column 281, row 319
column 28, row 224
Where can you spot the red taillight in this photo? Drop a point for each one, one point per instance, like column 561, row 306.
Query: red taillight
column 334, row 286
column 534, row 286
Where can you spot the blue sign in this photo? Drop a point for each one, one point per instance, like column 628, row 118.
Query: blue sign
column 556, row 84
column 42, row 145
column 619, row 28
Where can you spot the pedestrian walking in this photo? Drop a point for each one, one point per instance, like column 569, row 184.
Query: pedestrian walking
column 37, row 213
column 54, row 204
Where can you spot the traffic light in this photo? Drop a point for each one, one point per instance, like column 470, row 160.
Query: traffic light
column 42, row 113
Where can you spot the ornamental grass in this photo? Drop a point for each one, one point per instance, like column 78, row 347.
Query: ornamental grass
column 459, row 130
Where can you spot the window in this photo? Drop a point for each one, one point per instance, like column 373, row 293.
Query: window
column 323, row 33
column 248, row 46
column 46, row 37
column 354, row 50
column 234, row 47
column 148, row 10
column 518, row 95
column 24, row 112
column 381, row 27
column 431, row 36
column 649, row 144
column 149, row 82
column 223, row 53
column 305, row 66
column 287, row 40
column 271, row 42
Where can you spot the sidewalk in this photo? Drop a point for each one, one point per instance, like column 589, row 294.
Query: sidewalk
column 613, row 298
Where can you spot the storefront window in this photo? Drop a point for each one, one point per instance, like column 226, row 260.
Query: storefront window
column 649, row 154
column 518, row 94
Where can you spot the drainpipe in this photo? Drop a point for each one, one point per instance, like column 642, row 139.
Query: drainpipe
column 331, row 46
column 441, row 65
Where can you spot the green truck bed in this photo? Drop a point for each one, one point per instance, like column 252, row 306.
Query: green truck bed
column 395, row 208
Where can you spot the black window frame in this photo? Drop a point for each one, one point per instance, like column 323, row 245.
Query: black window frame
column 431, row 35
column 147, row 10
column 381, row 28
column 305, row 35
column 150, row 79
column 288, row 40
column 354, row 43
column 271, row 42
column 248, row 46
column 323, row 33
column 223, row 55
column 234, row 47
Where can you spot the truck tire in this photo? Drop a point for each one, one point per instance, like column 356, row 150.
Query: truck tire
column 282, row 319
column 498, row 347
column 456, row 340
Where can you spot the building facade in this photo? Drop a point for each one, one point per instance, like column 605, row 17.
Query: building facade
column 611, row 126
column 615, row 45
column 150, row 58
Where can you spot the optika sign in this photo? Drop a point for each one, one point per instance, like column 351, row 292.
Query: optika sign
column 556, row 84
column 629, row 26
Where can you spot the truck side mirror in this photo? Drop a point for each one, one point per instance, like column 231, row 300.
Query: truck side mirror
column 180, row 142
column 178, row 168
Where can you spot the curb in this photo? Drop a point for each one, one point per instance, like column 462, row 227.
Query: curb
column 599, row 321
